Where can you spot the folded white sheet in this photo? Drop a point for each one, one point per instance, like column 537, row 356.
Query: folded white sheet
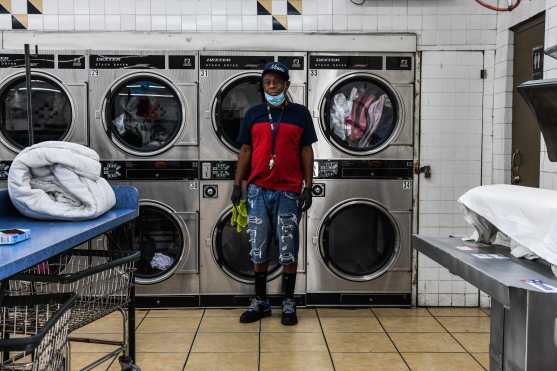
column 59, row 180
column 528, row 216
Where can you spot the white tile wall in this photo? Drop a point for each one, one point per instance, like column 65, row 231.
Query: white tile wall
column 449, row 23
column 451, row 143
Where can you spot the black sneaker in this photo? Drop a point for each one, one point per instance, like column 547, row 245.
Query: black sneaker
column 289, row 317
column 257, row 310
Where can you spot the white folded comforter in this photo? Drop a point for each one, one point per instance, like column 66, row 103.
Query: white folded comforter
column 528, row 216
column 59, row 180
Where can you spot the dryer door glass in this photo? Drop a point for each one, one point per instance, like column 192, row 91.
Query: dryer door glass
column 360, row 115
column 358, row 241
column 231, row 106
column 232, row 252
column 158, row 235
column 144, row 115
column 52, row 111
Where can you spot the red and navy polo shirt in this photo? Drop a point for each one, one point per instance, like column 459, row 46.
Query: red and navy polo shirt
column 295, row 131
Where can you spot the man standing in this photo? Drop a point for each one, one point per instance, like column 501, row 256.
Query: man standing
column 277, row 159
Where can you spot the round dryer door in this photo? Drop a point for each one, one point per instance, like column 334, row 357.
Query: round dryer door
column 359, row 240
column 159, row 234
column 52, row 111
column 144, row 115
column 231, row 252
column 231, row 105
column 360, row 114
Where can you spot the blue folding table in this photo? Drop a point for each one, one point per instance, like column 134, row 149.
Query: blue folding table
column 50, row 238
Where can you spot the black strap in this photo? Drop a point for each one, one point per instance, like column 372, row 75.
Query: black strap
column 274, row 128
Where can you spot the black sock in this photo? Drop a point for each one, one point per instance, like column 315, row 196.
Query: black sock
column 261, row 285
column 288, row 284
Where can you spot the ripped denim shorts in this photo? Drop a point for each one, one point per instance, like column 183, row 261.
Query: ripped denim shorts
column 273, row 214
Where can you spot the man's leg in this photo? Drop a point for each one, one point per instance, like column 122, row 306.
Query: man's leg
column 259, row 233
column 287, row 233
column 260, row 271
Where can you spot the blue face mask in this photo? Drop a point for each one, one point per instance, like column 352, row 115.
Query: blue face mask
column 275, row 100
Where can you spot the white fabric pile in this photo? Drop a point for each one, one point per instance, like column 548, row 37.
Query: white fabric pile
column 528, row 216
column 60, row 181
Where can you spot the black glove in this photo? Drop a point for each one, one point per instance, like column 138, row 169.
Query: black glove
column 236, row 194
column 305, row 199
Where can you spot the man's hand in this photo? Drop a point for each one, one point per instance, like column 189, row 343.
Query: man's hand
column 305, row 199
column 236, row 194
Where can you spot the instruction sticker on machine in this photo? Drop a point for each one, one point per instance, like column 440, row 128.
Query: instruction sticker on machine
column 540, row 285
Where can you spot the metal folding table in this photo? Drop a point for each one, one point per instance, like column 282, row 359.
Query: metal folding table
column 523, row 300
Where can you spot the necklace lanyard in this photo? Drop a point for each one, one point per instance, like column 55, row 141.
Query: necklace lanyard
column 274, row 133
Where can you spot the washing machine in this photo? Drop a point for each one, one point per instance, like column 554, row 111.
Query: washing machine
column 229, row 84
column 144, row 105
column 166, row 231
column 362, row 104
column 59, row 101
column 359, row 233
column 226, row 271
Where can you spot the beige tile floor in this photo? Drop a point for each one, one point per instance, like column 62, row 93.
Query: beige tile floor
column 380, row 339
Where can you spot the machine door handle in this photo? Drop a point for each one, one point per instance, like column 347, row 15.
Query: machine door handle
column 426, row 169
column 515, row 170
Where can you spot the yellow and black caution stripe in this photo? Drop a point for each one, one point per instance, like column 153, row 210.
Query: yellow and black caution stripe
column 294, row 7
column 280, row 23
column 34, row 6
column 264, row 7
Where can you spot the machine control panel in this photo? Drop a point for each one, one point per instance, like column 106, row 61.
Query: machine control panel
column 318, row 190
column 71, row 61
column 360, row 62
column 234, row 62
column 210, row 191
column 292, row 62
column 363, row 169
column 150, row 170
column 131, row 61
column 344, row 62
column 18, row 60
column 218, row 170
column 181, row 62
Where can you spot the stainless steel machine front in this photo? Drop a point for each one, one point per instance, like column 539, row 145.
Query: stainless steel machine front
column 363, row 104
column 144, row 105
column 230, row 84
column 358, row 231
column 226, row 271
column 58, row 96
column 166, row 230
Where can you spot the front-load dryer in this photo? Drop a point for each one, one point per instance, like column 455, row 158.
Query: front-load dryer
column 230, row 84
column 359, row 233
column 144, row 105
column 226, row 271
column 166, row 230
column 362, row 104
column 58, row 101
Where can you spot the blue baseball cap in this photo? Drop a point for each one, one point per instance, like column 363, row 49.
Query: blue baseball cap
column 278, row 68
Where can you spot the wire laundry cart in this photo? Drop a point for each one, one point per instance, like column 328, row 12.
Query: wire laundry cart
column 34, row 331
column 102, row 280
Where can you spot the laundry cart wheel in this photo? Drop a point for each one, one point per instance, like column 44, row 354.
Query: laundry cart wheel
column 127, row 365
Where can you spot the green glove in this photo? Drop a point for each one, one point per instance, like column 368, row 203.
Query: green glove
column 240, row 215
